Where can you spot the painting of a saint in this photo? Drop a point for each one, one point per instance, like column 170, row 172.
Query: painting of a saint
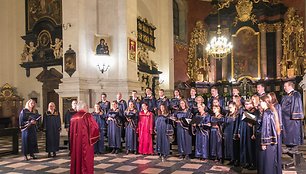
column 245, row 53
column 102, row 45
column 132, row 50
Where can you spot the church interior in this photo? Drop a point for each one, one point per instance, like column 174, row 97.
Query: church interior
column 64, row 50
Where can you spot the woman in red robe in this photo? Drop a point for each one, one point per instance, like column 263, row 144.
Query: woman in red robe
column 84, row 133
column 145, row 130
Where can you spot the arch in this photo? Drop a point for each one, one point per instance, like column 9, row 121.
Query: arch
column 180, row 19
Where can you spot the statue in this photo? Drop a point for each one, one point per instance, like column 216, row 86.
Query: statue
column 57, row 48
column 28, row 51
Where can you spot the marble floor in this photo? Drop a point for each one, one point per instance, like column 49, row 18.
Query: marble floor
column 117, row 163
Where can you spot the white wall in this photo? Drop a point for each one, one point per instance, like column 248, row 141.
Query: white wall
column 159, row 13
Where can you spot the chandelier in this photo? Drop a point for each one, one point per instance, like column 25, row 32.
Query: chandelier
column 219, row 47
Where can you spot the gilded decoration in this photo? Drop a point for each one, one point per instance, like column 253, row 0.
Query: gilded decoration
column 292, row 63
column 198, row 64
column 246, row 53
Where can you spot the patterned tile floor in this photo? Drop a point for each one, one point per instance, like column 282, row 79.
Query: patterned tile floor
column 120, row 163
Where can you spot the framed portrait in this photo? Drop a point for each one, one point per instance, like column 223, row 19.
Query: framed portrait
column 245, row 60
column 102, row 44
column 132, row 50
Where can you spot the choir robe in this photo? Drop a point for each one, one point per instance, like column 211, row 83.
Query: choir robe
column 229, row 125
column 247, row 145
column 267, row 158
column 105, row 106
column 28, row 135
column 183, row 135
column 174, row 104
column 192, row 106
column 52, row 126
column 279, row 137
column 221, row 101
column 164, row 101
column 84, row 133
column 122, row 106
column 202, row 137
column 236, row 139
column 145, row 130
column 100, row 120
column 67, row 118
column 136, row 102
column 215, row 145
column 114, row 121
column 292, row 115
column 151, row 101
column 162, row 139
column 130, row 130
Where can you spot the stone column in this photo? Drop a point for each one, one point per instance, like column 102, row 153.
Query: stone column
column 278, row 27
column 263, row 51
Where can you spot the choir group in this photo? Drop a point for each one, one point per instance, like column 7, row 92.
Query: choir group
column 247, row 132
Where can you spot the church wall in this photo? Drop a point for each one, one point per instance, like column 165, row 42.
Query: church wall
column 12, row 17
column 159, row 13
column 197, row 10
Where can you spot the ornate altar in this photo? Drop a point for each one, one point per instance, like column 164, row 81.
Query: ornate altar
column 43, row 39
column 292, row 63
column 268, row 47
column 10, row 106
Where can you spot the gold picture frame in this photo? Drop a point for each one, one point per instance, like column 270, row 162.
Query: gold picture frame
column 132, row 50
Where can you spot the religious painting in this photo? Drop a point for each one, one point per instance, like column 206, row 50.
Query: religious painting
column 70, row 61
column 37, row 10
column 102, row 45
column 246, row 53
column 132, row 50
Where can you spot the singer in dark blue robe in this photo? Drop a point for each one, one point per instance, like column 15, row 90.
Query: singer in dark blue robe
column 202, row 136
column 165, row 101
column 192, row 105
column 162, row 139
column 216, row 137
column 219, row 98
column 28, row 132
column 183, row 135
column 99, row 117
column 122, row 105
column 68, row 115
column 174, row 104
column 268, row 140
column 151, row 101
column 229, row 125
column 130, row 130
column 105, row 106
column 136, row 102
column 292, row 115
column 114, row 122
column 52, row 126
column 245, row 132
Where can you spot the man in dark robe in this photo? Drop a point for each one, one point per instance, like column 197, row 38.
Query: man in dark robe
column 121, row 104
column 260, row 89
column 175, row 101
column 192, row 101
column 150, row 100
column 162, row 100
column 84, row 133
column 134, row 99
column 104, row 104
column 67, row 118
column 215, row 95
column 292, row 115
